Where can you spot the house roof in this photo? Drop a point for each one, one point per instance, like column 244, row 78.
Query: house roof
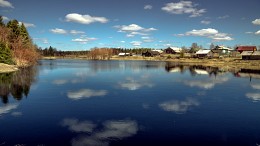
column 203, row 52
column 256, row 53
column 246, row 48
column 246, row 53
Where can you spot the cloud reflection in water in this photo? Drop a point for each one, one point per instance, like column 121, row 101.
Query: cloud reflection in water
column 179, row 106
column 85, row 93
column 206, row 84
column 254, row 96
column 132, row 84
column 111, row 130
column 7, row 108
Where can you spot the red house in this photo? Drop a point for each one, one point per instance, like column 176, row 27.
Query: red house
column 240, row 49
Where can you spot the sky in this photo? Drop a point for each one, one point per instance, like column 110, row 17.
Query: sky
column 85, row 24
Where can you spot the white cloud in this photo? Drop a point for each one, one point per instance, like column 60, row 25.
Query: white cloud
column 4, row 3
column 205, row 22
column 76, row 126
column 249, row 32
column 75, row 32
column 223, row 17
column 85, row 93
column 42, row 40
column 60, row 82
column 211, row 33
column 179, row 106
column 256, row 22
column 258, row 32
column 7, row 108
column 58, row 31
column 134, row 29
column 136, row 43
column 84, row 19
column 253, row 96
column 183, row 7
column 148, row 7
column 27, row 24
column 147, row 39
column 122, row 41
column 5, row 18
column 83, row 39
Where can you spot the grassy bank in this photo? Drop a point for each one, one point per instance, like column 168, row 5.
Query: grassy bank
column 4, row 68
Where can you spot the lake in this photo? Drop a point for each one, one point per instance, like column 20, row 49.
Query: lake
column 126, row 103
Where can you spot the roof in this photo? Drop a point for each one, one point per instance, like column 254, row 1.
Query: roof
column 223, row 48
column 246, row 53
column 203, row 52
column 160, row 51
column 256, row 53
column 246, row 48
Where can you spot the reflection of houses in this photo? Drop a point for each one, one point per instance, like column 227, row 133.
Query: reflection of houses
column 173, row 50
column 150, row 53
column 204, row 53
column 248, row 73
column 241, row 49
column 249, row 55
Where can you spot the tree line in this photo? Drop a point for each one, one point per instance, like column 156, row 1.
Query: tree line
column 16, row 45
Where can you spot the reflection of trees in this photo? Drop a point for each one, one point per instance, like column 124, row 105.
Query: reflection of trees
column 17, row 84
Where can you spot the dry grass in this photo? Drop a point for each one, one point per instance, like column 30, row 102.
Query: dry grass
column 4, row 68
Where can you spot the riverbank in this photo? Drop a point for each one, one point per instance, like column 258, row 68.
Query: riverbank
column 223, row 63
column 5, row 68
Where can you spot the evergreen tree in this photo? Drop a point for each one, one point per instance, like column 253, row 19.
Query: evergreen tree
column 2, row 21
column 5, row 54
column 25, row 35
column 15, row 30
column 212, row 46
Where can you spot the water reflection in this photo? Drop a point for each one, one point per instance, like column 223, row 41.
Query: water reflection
column 17, row 84
column 7, row 108
column 95, row 136
column 208, row 83
column 179, row 107
column 135, row 84
column 85, row 93
column 254, row 96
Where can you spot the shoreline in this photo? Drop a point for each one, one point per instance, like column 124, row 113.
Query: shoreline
column 5, row 68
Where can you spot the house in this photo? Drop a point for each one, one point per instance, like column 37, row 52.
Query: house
column 124, row 54
column 221, row 50
column 240, row 49
column 150, row 53
column 173, row 50
column 204, row 53
column 250, row 55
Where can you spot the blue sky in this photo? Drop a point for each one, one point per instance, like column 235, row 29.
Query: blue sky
column 84, row 24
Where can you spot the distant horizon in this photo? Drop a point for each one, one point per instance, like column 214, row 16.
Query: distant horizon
column 82, row 25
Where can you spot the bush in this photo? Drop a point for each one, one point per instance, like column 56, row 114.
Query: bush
column 5, row 54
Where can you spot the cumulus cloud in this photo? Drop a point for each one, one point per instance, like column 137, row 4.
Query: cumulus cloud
column 84, row 39
column 148, row 7
column 256, row 22
column 5, row 18
column 211, row 33
column 136, row 43
column 147, row 39
column 7, row 108
column 223, row 17
column 75, row 32
column 84, row 19
column 58, row 31
column 75, row 126
column 254, row 96
column 4, row 3
column 27, row 24
column 179, row 106
column 85, row 93
column 184, row 7
column 42, row 40
column 258, row 32
column 134, row 29
column 205, row 22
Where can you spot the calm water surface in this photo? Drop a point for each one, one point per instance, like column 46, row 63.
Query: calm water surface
column 120, row 103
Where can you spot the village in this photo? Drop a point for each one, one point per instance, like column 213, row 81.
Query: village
column 243, row 52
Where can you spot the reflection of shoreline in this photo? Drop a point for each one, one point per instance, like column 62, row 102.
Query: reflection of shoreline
column 17, row 84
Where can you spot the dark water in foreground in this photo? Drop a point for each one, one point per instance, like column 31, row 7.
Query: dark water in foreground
column 120, row 103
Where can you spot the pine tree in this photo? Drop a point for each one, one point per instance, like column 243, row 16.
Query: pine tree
column 25, row 35
column 13, row 25
column 5, row 54
column 2, row 21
